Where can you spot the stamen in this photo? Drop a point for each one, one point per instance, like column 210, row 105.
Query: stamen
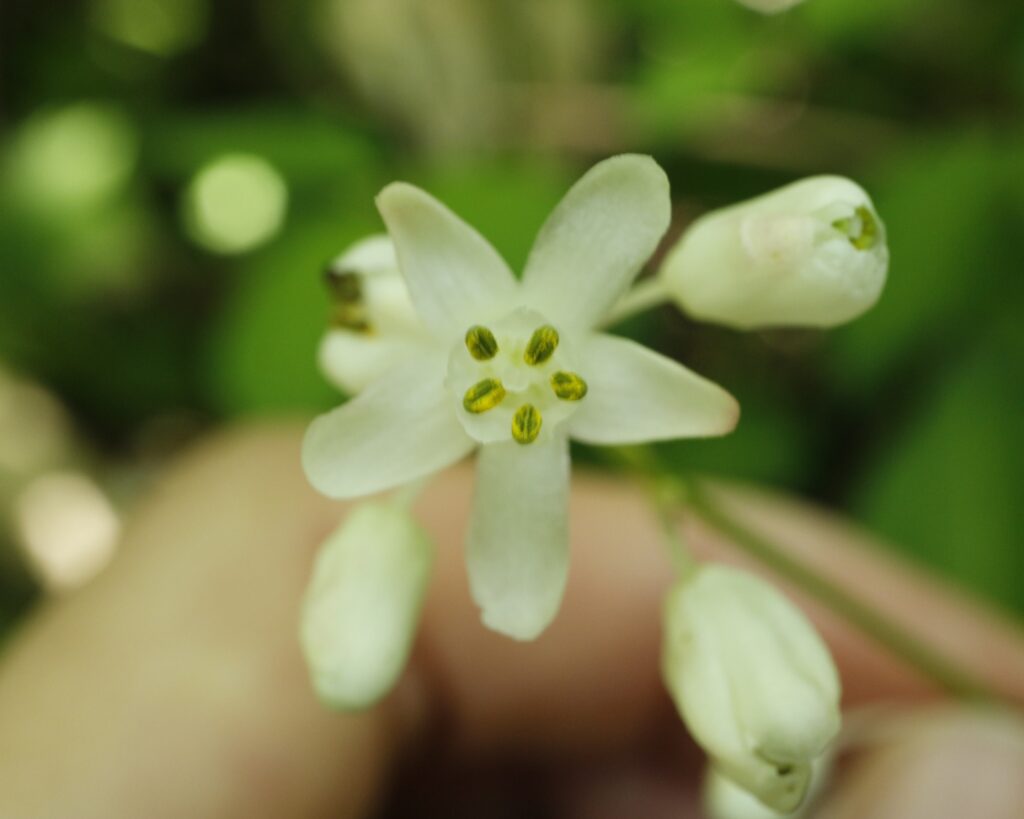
column 568, row 386
column 349, row 309
column 481, row 343
column 526, row 424
column 483, row 395
column 343, row 284
column 542, row 345
column 866, row 228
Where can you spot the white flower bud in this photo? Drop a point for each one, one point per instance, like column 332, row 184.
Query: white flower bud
column 753, row 681
column 724, row 799
column 363, row 603
column 769, row 6
column 810, row 254
column 374, row 322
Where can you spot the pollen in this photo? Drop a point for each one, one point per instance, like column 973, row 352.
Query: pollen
column 484, row 395
column 861, row 229
column 526, row 424
column 542, row 345
column 481, row 343
column 568, row 386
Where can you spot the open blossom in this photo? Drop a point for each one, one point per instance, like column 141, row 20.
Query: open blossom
column 516, row 368
column 753, row 681
column 810, row 254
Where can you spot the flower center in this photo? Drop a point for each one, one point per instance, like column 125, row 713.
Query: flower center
column 860, row 228
column 514, row 378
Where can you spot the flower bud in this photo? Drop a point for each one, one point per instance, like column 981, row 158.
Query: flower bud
column 753, row 681
column 810, row 254
column 769, row 6
column 363, row 603
column 373, row 321
column 724, row 799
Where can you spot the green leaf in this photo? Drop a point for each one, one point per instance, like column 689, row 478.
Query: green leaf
column 947, row 490
column 262, row 353
column 941, row 214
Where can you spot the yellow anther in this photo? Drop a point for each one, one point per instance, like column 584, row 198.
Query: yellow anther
column 526, row 424
column 568, row 386
column 481, row 343
column 542, row 345
column 483, row 395
column 862, row 230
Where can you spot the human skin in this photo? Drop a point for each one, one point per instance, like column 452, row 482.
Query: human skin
column 173, row 685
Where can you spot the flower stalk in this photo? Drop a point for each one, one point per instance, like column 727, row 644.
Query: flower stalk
column 925, row 659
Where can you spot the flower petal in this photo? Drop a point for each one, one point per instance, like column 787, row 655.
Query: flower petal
column 596, row 240
column 401, row 428
column 367, row 256
column 637, row 395
column 351, row 361
column 518, row 546
column 455, row 277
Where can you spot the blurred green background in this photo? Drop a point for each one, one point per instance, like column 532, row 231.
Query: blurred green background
column 175, row 173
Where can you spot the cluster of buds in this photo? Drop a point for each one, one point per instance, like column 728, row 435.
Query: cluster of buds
column 449, row 353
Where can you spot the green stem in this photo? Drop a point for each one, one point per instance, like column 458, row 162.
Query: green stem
column 931, row 663
column 407, row 494
column 642, row 296
column 666, row 496
column 666, row 503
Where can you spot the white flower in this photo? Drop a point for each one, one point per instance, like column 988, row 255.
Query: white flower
column 516, row 368
column 769, row 6
column 363, row 603
column 810, row 254
column 753, row 681
column 374, row 324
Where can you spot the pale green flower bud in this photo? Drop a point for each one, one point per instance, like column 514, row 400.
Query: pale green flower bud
column 769, row 6
column 810, row 254
column 724, row 799
column 363, row 604
column 753, row 681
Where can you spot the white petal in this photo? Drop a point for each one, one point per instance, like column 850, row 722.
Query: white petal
column 455, row 278
column 518, row 547
column 637, row 395
column 724, row 799
column 352, row 360
column 401, row 428
column 596, row 240
column 362, row 605
column 370, row 255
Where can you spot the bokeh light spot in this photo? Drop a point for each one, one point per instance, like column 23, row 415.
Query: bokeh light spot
column 34, row 429
column 74, row 158
column 159, row 27
column 67, row 527
column 235, row 203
